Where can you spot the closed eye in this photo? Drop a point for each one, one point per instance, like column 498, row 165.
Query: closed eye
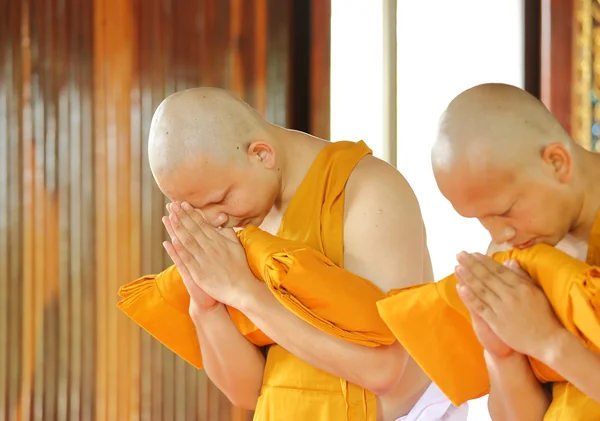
column 224, row 199
column 505, row 214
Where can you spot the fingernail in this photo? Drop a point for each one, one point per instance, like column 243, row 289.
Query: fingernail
column 175, row 207
column 186, row 206
column 461, row 255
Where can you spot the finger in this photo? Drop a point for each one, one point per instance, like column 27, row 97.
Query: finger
column 196, row 216
column 515, row 267
column 474, row 304
column 229, row 233
column 167, row 223
column 499, row 271
column 478, row 286
column 181, row 267
column 187, row 231
column 193, row 260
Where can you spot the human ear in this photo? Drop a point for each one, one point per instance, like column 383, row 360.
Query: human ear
column 263, row 152
column 558, row 158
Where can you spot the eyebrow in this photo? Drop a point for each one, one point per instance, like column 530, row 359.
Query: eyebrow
column 217, row 198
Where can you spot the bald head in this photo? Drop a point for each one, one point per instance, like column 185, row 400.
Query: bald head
column 494, row 125
column 201, row 123
column 501, row 157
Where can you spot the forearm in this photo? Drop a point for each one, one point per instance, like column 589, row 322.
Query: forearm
column 515, row 392
column 231, row 362
column 572, row 360
column 376, row 369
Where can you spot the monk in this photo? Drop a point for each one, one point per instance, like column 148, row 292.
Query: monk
column 212, row 155
column 501, row 157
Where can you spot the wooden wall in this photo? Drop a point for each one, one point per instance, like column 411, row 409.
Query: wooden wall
column 79, row 211
column 570, row 66
column 557, row 39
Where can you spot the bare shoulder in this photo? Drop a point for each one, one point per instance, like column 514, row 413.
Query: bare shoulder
column 372, row 177
column 384, row 235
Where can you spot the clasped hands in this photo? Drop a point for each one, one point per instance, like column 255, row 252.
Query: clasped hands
column 509, row 311
column 211, row 261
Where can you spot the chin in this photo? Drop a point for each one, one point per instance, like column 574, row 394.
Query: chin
column 550, row 241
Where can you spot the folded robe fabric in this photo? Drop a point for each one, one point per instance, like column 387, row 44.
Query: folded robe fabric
column 291, row 389
column 434, row 326
column 305, row 281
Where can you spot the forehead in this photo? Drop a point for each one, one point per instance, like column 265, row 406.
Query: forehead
column 198, row 184
column 477, row 195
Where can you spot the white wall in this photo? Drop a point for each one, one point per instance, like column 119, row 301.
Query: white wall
column 357, row 72
column 444, row 47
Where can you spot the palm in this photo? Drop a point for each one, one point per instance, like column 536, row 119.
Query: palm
column 200, row 300
column 488, row 339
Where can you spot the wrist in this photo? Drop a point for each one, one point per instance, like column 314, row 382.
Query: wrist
column 556, row 347
column 198, row 313
column 497, row 360
column 249, row 299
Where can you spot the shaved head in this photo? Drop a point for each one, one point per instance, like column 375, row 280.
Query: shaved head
column 495, row 125
column 209, row 148
column 501, row 156
column 202, row 122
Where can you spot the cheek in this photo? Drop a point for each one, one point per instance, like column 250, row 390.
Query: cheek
column 538, row 218
column 247, row 203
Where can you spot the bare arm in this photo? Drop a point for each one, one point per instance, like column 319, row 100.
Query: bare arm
column 231, row 362
column 566, row 355
column 572, row 360
column 515, row 392
column 384, row 239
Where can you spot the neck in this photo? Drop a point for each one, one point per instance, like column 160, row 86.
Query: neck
column 297, row 151
column 589, row 176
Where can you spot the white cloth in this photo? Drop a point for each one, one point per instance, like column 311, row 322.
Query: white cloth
column 435, row 406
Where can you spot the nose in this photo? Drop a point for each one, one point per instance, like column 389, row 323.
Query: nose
column 500, row 232
column 216, row 219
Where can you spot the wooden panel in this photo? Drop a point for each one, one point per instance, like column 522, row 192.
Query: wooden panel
column 532, row 14
column 320, row 65
column 585, row 116
column 79, row 210
column 556, row 63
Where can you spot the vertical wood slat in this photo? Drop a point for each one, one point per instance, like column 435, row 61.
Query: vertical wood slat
column 89, row 332
column 5, row 216
column 278, row 57
column 4, row 210
column 79, row 210
column 320, row 64
column 30, row 295
column 71, row 222
column 557, row 20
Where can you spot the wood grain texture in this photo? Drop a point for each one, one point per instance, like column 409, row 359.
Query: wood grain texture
column 79, row 210
column 557, row 18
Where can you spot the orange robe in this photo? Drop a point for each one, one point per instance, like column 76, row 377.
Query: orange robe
column 434, row 326
column 302, row 267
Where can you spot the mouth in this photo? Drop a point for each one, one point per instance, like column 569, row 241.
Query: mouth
column 525, row 245
column 242, row 224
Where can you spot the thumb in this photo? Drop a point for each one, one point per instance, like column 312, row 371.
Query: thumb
column 515, row 267
column 229, row 233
